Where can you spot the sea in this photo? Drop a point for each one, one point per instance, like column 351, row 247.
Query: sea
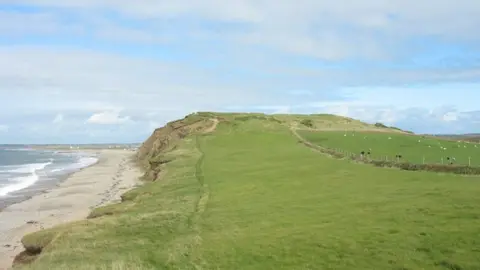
column 25, row 172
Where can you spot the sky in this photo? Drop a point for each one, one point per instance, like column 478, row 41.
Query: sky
column 97, row 71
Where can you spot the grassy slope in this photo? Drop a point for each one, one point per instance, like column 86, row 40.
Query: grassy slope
column 408, row 146
column 251, row 197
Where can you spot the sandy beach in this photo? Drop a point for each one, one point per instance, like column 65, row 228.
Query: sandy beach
column 71, row 200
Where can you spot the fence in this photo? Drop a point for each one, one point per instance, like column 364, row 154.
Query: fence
column 392, row 161
column 399, row 162
column 424, row 160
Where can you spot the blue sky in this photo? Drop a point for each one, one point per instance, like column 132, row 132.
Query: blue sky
column 112, row 71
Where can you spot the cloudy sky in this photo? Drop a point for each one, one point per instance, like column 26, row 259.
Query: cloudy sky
column 113, row 70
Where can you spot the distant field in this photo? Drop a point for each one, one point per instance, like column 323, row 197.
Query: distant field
column 414, row 149
column 250, row 196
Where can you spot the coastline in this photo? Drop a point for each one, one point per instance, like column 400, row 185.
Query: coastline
column 42, row 186
column 70, row 200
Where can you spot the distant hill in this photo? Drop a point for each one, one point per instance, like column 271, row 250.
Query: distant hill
column 471, row 137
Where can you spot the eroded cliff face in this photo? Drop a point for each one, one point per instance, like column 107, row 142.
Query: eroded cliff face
column 165, row 138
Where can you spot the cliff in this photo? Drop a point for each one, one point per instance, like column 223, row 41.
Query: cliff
column 150, row 153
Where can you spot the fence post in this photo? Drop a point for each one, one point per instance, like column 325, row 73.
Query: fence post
column 469, row 161
column 423, row 162
column 442, row 160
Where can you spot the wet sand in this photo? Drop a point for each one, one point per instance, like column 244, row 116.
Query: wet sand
column 71, row 200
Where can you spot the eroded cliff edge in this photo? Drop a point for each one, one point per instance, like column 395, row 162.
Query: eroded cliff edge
column 150, row 154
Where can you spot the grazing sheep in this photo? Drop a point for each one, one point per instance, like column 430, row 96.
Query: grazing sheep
column 451, row 159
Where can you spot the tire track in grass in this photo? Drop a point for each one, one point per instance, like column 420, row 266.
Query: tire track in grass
column 204, row 191
column 200, row 206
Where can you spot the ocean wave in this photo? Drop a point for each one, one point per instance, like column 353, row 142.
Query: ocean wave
column 81, row 163
column 23, row 176
column 26, row 168
column 22, row 182
column 18, row 149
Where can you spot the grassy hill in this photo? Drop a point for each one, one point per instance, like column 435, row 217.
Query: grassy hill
column 242, row 192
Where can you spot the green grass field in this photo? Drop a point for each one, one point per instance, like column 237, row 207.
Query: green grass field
column 413, row 149
column 250, row 196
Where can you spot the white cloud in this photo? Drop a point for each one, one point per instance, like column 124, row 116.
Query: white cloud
column 82, row 83
column 21, row 23
column 301, row 92
column 325, row 29
column 107, row 118
column 58, row 118
column 386, row 114
column 4, row 128
column 74, row 80
column 450, row 117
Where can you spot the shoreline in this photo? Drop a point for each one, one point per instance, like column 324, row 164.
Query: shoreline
column 69, row 200
column 42, row 186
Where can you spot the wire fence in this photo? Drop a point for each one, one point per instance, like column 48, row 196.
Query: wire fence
column 424, row 160
column 438, row 164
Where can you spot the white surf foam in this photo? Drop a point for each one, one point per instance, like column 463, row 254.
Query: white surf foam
column 29, row 168
column 81, row 163
column 29, row 173
column 18, row 149
column 22, row 182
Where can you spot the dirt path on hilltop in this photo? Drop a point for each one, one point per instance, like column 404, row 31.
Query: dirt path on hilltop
column 213, row 127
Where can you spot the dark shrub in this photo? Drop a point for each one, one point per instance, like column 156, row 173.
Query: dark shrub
column 380, row 125
column 307, row 122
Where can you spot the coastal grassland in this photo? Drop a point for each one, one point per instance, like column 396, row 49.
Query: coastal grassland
column 150, row 229
column 250, row 196
column 412, row 148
